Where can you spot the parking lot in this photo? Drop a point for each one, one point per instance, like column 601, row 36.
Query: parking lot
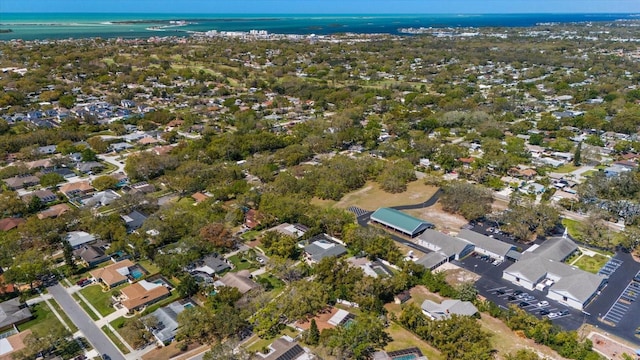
column 535, row 305
column 610, row 267
column 621, row 307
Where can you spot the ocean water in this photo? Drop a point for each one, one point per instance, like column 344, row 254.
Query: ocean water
column 33, row 26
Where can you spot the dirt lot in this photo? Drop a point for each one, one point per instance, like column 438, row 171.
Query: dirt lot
column 371, row 197
column 443, row 220
column 457, row 275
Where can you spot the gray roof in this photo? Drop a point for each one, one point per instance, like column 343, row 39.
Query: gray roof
column 77, row 238
column 579, row 286
column 431, row 260
column 89, row 165
column 91, row 254
column 13, row 312
column 167, row 318
column 213, row 264
column 323, row 248
column 240, row 280
column 102, row 198
column 447, row 244
column 134, row 220
column 556, row 248
column 448, row 308
column 484, row 242
column 285, row 349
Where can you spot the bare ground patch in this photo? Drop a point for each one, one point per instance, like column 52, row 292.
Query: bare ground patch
column 372, row 197
column 444, row 221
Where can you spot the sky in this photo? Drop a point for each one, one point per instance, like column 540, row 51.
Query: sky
column 323, row 6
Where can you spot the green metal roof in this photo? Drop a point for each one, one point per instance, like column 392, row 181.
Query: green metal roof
column 400, row 221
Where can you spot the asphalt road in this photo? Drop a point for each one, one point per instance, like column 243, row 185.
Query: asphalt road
column 94, row 335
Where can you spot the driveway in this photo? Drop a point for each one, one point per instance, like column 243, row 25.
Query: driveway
column 94, row 335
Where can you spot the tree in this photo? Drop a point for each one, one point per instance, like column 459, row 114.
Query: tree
column 51, row 179
column 577, row 156
column 218, row 235
column 136, row 333
column 313, row 336
column 188, row 286
column 359, row 340
column 97, row 144
column 35, row 205
column 67, row 101
column 88, row 155
column 104, row 182
column 468, row 200
column 280, row 245
column 67, row 251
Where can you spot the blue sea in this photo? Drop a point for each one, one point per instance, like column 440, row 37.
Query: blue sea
column 33, row 26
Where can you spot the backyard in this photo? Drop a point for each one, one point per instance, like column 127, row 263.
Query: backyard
column 591, row 264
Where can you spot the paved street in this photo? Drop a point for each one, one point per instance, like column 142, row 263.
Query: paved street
column 93, row 334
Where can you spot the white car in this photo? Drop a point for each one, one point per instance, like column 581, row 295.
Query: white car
column 260, row 260
column 543, row 303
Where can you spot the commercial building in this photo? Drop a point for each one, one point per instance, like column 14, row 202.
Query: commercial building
column 400, row 222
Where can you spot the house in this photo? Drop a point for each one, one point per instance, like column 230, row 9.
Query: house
column 374, row 269
column 285, row 348
column 91, row 255
column 47, row 150
column 121, row 146
column 20, row 182
column 166, row 320
column 526, row 173
column 199, row 197
column 447, row 308
column 240, row 280
column 64, row 172
column 543, row 266
column 615, row 170
column 141, row 187
column 533, row 188
column 45, row 196
column 122, row 179
column 402, row 297
column 77, row 189
column 466, row 162
column 12, row 344
column 39, row 164
column 485, row 245
column 89, row 166
column 54, row 211
column 134, row 220
column 12, row 313
column 295, row 230
column 7, row 224
column 102, row 198
column 252, row 219
column 79, row 238
column 143, row 293
column 211, row 264
column 400, row 222
column 410, row 353
column 322, row 246
column 114, row 274
column 161, row 150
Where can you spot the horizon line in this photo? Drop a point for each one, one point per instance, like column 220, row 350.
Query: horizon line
column 324, row 13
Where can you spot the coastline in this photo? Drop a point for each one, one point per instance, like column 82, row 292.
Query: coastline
column 52, row 26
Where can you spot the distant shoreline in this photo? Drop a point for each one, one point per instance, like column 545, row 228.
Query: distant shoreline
column 5, row 31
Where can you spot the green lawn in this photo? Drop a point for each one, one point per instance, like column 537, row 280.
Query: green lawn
column 151, row 308
column 591, row 264
column 566, row 168
column 64, row 316
column 149, row 266
column 573, row 228
column 274, row 281
column 250, row 235
column 242, row 264
column 43, row 319
column 403, row 339
column 99, row 299
column 115, row 340
column 256, row 343
column 86, row 308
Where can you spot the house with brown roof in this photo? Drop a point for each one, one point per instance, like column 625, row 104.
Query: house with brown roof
column 143, row 293
column 162, row 150
column 114, row 274
column 12, row 344
column 199, row 197
column 240, row 280
column 466, row 162
column 76, row 189
column 45, row 196
column 252, row 219
column 20, row 182
column 526, row 173
column 10, row 223
column 148, row 140
column 54, row 211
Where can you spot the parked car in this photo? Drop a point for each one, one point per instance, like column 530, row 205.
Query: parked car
column 500, row 292
column 544, row 312
column 543, row 303
column 524, row 304
column 260, row 260
column 517, row 292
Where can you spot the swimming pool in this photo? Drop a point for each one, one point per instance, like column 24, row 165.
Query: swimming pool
column 137, row 273
column 406, row 357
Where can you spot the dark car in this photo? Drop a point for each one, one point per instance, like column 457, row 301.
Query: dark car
column 517, row 292
column 524, row 304
column 544, row 312
column 511, row 298
column 563, row 312
column 500, row 292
